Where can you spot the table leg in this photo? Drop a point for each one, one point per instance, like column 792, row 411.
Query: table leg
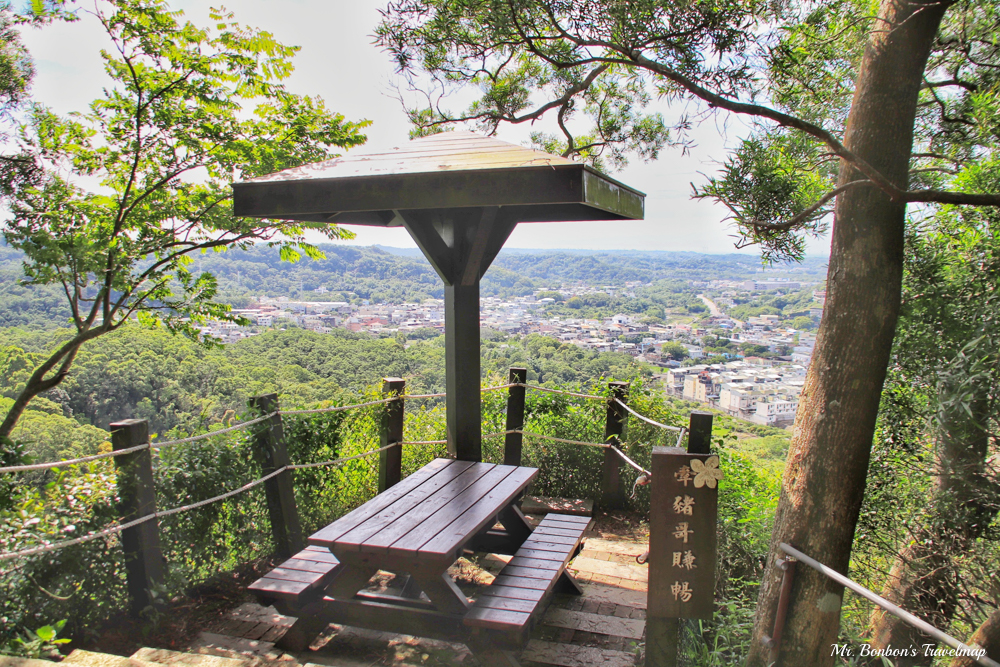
column 410, row 589
column 567, row 584
column 517, row 527
column 350, row 579
column 309, row 622
column 446, row 596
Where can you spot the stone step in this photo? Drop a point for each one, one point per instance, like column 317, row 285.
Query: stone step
column 571, row 655
column 177, row 659
column 614, row 595
column 610, row 569
column 10, row 661
column 255, row 651
column 610, row 546
column 83, row 658
column 594, row 623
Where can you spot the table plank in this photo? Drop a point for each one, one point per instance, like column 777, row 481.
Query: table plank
column 391, row 519
column 474, row 478
column 464, row 525
column 326, row 536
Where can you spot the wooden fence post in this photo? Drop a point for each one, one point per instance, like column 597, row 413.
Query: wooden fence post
column 700, row 432
column 515, row 417
column 141, row 544
column 612, row 492
column 390, row 461
column 272, row 455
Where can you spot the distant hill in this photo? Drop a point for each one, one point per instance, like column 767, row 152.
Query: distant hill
column 397, row 275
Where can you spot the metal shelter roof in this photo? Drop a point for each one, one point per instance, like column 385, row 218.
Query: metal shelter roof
column 447, row 170
column 459, row 195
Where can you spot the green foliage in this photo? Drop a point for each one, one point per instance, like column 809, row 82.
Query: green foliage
column 188, row 111
column 40, row 644
column 583, row 69
column 766, row 183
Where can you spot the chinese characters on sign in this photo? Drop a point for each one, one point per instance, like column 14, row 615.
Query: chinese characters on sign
column 683, row 517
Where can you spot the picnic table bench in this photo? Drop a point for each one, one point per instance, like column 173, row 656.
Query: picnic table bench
column 417, row 529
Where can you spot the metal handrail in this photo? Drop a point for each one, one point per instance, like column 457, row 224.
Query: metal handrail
column 896, row 611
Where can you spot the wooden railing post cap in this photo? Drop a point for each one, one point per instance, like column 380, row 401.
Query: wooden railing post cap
column 125, row 423
column 263, row 400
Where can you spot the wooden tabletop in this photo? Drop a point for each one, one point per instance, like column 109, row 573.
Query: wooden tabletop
column 428, row 516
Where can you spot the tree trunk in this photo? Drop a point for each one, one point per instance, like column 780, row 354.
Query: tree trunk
column 987, row 637
column 824, row 480
column 923, row 579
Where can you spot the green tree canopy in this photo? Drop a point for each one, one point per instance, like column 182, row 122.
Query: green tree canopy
column 187, row 111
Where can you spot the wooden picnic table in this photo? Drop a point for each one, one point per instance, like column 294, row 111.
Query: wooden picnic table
column 417, row 529
column 421, row 526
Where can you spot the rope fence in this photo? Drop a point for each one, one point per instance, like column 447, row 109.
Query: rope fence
column 117, row 528
column 340, row 408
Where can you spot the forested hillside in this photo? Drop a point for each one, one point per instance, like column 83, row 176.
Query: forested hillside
column 176, row 383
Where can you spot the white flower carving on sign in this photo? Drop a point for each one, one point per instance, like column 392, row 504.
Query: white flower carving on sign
column 707, row 473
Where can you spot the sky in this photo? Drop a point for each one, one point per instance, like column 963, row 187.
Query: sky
column 339, row 63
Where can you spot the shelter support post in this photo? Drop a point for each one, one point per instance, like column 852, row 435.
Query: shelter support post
column 462, row 368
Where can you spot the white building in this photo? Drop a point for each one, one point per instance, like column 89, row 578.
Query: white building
column 776, row 411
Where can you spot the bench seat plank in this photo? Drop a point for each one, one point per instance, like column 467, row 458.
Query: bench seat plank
column 309, row 578
column 306, row 565
column 549, row 539
column 541, row 554
column 296, row 578
column 520, row 591
column 498, row 619
column 510, row 592
column 566, row 518
column 537, row 563
column 528, row 572
column 277, row 588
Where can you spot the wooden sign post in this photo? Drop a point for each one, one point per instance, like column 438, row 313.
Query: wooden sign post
column 682, row 546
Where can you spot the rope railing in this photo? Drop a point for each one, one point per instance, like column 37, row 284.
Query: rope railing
column 647, row 419
column 335, row 408
column 547, row 390
column 117, row 528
